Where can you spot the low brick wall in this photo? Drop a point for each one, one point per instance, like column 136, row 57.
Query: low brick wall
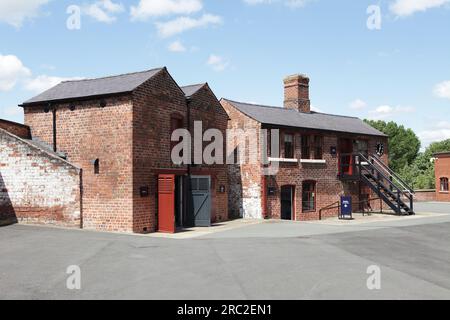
column 425, row 195
column 36, row 186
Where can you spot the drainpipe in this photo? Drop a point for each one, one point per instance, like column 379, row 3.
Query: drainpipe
column 54, row 129
column 188, row 182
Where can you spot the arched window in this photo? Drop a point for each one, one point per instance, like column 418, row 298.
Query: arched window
column 96, row 166
column 444, row 184
column 308, row 196
column 176, row 122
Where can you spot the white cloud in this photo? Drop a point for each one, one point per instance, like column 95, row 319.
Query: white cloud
column 358, row 104
column 296, row 3
column 386, row 111
column 217, row 63
column 14, row 12
column 403, row 8
column 290, row 3
column 12, row 70
column 43, row 82
column 10, row 111
column 103, row 10
column 442, row 90
column 157, row 8
column 182, row 24
column 177, row 46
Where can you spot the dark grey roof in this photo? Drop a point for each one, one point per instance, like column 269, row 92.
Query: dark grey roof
column 45, row 147
column 192, row 89
column 94, row 87
column 314, row 120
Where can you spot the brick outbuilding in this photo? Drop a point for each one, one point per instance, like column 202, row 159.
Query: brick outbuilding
column 442, row 172
column 117, row 130
column 318, row 159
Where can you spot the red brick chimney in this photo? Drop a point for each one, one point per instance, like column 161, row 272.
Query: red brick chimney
column 296, row 93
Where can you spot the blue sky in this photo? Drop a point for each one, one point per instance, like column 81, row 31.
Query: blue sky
column 397, row 69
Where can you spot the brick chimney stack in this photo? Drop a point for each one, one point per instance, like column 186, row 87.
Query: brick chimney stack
column 296, row 93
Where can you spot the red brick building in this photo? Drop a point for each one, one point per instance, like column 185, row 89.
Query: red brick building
column 442, row 172
column 117, row 130
column 317, row 161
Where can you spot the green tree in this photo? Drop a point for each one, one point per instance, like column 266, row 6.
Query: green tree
column 404, row 145
column 420, row 174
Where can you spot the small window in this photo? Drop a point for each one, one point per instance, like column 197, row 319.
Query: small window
column 288, row 146
column 96, row 166
column 305, row 147
column 444, row 184
column 175, row 123
column 308, row 196
column 318, row 147
column 362, row 146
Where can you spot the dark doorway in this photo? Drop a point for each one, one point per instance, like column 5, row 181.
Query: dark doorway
column 287, row 202
column 179, row 209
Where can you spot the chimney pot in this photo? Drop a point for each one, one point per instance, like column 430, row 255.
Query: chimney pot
column 296, row 93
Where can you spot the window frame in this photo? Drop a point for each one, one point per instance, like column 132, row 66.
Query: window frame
column 305, row 148
column 318, row 146
column 292, row 146
column 309, row 192
column 444, row 187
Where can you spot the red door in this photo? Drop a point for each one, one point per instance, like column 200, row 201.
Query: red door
column 345, row 157
column 166, row 203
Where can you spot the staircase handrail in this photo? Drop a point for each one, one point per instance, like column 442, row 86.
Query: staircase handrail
column 402, row 183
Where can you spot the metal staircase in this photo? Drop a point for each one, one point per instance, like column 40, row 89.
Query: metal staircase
column 386, row 184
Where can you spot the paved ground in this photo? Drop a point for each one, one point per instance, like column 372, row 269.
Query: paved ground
column 272, row 260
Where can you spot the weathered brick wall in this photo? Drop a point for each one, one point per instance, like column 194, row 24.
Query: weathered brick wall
column 17, row 129
column 91, row 132
column 154, row 102
column 205, row 107
column 35, row 186
column 245, row 180
column 442, row 169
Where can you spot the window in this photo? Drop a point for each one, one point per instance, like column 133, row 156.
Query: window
column 305, row 147
column 444, row 184
column 362, row 146
column 96, row 166
column 308, row 196
column 288, row 146
column 176, row 122
column 318, row 147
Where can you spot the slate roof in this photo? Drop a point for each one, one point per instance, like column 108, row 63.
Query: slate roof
column 314, row 120
column 192, row 89
column 94, row 87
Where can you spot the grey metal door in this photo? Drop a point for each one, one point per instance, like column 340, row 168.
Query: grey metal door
column 201, row 200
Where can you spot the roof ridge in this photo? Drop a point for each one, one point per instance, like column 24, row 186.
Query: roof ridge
column 281, row 108
column 113, row 76
column 194, row 85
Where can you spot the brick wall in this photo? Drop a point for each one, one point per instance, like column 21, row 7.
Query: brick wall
column 91, row 132
column 245, row 180
column 17, row 129
column 442, row 169
column 206, row 108
column 153, row 104
column 246, row 193
column 35, row 186
column 425, row 195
